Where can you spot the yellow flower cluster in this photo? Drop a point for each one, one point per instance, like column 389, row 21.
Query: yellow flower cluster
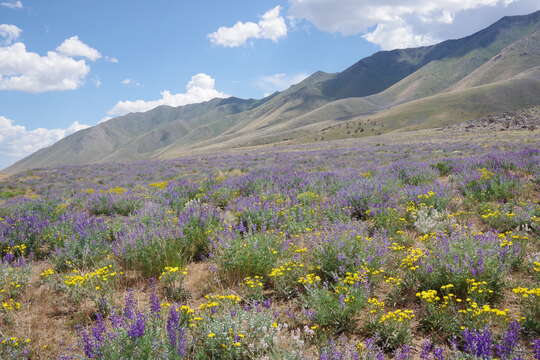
column 526, row 292
column 235, row 340
column 373, row 271
column 429, row 296
column 489, row 214
column 396, row 247
column 479, row 287
column 427, row 237
column 103, row 274
column 190, row 314
column 118, row 190
column 11, row 305
column 427, row 195
column 173, row 270
column 46, row 273
column 507, row 238
column 397, row 315
column 411, row 209
column 411, row 260
column 366, row 174
column 536, row 266
column 304, row 249
column 485, row 174
column 476, row 310
column 217, row 300
column 255, row 282
column 14, row 341
column 185, row 309
column 285, row 269
column 308, row 196
column 17, row 249
column 309, row 279
column 459, row 213
column 393, row 281
column 162, row 185
column 354, row 278
column 376, row 304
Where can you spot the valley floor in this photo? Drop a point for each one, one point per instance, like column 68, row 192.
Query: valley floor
column 407, row 245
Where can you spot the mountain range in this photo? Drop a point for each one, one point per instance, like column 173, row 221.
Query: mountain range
column 494, row 70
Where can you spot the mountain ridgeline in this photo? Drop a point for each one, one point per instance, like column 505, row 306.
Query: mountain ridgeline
column 494, row 70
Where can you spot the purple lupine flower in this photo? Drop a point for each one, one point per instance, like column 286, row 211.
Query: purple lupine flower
column 182, row 342
column 155, row 307
column 509, row 341
column 172, row 324
column 403, row 353
column 427, row 348
column 478, row 343
column 129, row 307
column 342, row 300
column 116, row 321
column 88, row 345
column 438, row 354
column 267, row 303
column 98, row 331
column 536, row 349
column 137, row 328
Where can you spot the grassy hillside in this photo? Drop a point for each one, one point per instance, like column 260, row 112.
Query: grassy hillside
column 442, row 110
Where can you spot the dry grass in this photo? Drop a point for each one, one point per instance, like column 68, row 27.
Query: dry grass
column 45, row 318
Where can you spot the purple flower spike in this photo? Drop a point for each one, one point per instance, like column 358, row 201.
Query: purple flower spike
column 438, row 354
column 88, row 345
column 536, row 349
column 129, row 307
column 137, row 328
column 172, row 325
column 155, row 306
column 427, row 348
column 98, row 331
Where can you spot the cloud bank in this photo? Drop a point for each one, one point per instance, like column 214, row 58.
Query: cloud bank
column 271, row 26
column 200, row 88
column 16, row 141
column 403, row 23
column 12, row 4
column 76, row 48
column 23, row 70
column 9, row 33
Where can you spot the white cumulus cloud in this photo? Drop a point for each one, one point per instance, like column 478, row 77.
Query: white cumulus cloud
column 30, row 72
column 271, row 26
column 76, row 48
column 130, row 82
column 404, row 23
column 278, row 82
column 9, row 33
column 23, row 70
column 12, row 4
column 200, row 88
column 16, row 141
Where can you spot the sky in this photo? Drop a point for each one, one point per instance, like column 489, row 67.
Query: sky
column 69, row 64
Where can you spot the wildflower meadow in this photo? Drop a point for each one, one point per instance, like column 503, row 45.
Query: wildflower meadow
column 349, row 250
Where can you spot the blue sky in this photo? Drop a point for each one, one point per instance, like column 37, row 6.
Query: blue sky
column 85, row 61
